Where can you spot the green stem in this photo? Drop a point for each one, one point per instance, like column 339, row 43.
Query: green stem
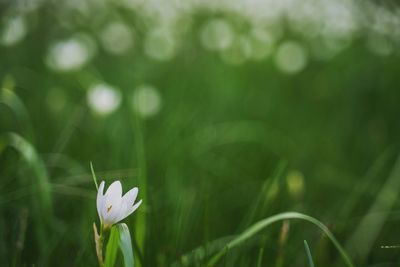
column 98, row 239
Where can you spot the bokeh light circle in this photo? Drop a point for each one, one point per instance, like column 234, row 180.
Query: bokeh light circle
column 291, row 57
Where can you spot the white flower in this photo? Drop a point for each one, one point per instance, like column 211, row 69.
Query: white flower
column 112, row 206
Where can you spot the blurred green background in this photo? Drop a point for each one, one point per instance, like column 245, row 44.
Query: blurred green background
column 221, row 112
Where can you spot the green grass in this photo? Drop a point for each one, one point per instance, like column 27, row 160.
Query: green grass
column 257, row 227
column 240, row 165
column 309, row 256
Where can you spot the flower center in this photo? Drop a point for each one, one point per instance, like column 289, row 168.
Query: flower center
column 109, row 208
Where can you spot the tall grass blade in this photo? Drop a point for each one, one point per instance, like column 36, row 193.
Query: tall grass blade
column 9, row 99
column 260, row 257
column 140, row 226
column 262, row 201
column 362, row 186
column 41, row 199
column 308, row 252
column 371, row 224
column 41, row 184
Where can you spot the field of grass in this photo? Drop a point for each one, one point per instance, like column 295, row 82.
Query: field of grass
column 259, row 133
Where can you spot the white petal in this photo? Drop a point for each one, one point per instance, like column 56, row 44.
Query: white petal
column 127, row 202
column 122, row 213
column 128, row 209
column 100, row 199
column 112, row 203
column 130, row 197
column 131, row 209
column 114, row 192
column 124, row 206
column 112, row 213
column 135, row 206
column 113, row 207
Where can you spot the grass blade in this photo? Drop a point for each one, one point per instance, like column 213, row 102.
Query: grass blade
column 372, row 223
column 308, row 252
column 265, row 196
column 13, row 102
column 260, row 257
column 94, row 176
column 125, row 244
column 41, row 198
column 31, row 157
column 140, row 223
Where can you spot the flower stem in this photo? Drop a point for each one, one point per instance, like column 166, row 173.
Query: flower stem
column 98, row 239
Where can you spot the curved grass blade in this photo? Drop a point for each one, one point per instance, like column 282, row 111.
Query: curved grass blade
column 41, row 199
column 257, row 227
column 112, row 247
column 9, row 99
column 125, row 245
column 307, row 248
column 41, row 185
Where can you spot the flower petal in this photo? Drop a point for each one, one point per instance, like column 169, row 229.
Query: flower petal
column 127, row 202
column 130, row 197
column 135, row 206
column 131, row 209
column 113, row 212
column 112, row 206
column 112, row 203
column 114, row 192
column 100, row 199
column 122, row 212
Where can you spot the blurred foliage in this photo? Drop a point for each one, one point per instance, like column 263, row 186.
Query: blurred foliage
column 223, row 112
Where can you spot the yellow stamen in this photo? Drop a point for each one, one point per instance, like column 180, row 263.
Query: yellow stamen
column 109, row 208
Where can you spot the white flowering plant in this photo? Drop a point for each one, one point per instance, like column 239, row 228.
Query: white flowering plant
column 113, row 207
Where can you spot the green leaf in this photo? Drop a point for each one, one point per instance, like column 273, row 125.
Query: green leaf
column 112, row 247
column 125, row 244
column 119, row 236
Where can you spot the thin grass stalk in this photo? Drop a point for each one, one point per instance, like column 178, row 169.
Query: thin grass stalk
column 368, row 229
column 140, row 225
column 308, row 252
